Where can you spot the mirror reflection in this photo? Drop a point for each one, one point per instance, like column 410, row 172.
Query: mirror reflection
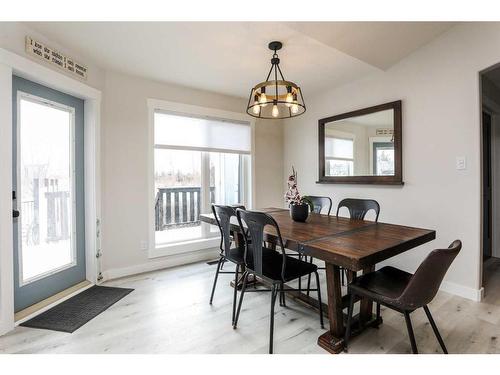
column 361, row 145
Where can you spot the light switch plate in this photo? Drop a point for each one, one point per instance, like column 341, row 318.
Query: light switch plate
column 144, row 245
column 461, row 163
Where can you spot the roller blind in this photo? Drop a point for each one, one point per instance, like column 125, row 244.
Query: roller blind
column 339, row 148
column 203, row 133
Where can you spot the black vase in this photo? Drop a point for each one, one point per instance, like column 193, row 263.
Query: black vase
column 299, row 212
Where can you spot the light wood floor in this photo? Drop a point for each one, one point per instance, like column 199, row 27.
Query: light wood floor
column 169, row 313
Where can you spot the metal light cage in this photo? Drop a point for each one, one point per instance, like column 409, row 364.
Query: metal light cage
column 279, row 95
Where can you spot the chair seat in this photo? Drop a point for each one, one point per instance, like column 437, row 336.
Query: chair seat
column 385, row 285
column 236, row 255
column 272, row 263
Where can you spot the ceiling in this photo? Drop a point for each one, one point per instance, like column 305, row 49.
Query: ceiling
column 232, row 57
column 376, row 119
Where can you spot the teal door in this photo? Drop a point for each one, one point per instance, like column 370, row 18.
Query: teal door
column 48, row 173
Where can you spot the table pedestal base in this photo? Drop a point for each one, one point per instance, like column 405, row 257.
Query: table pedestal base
column 336, row 345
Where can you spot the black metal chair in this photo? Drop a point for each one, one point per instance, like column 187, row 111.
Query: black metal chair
column 271, row 266
column 320, row 203
column 404, row 292
column 223, row 216
column 358, row 208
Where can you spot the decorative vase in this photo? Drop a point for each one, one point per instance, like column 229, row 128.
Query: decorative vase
column 299, row 212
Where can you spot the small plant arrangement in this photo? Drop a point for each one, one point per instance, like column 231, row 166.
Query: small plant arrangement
column 299, row 206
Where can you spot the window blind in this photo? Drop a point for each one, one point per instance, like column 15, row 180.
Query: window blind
column 339, row 148
column 202, row 133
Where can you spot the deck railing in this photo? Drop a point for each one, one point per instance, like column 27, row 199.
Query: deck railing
column 178, row 206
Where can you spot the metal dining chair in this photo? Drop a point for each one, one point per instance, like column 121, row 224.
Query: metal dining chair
column 273, row 267
column 404, row 292
column 319, row 204
column 223, row 216
column 358, row 208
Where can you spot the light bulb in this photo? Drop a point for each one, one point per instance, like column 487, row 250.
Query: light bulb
column 295, row 108
column 275, row 111
column 263, row 99
column 289, row 100
column 256, row 108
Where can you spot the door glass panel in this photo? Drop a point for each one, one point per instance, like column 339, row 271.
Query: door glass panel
column 45, row 196
column 384, row 158
column 177, row 195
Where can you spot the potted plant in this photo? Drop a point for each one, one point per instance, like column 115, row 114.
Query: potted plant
column 299, row 206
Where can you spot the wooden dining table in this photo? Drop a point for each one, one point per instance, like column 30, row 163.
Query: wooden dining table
column 355, row 245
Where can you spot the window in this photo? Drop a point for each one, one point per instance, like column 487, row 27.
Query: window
column 197, row 161
column 339, row 154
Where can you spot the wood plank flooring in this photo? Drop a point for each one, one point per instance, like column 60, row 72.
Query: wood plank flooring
column 169, row 313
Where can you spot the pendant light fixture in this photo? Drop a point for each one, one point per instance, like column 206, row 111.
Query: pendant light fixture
column 276, row 98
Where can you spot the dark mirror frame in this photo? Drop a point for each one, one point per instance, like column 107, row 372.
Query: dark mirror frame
column 397, row 179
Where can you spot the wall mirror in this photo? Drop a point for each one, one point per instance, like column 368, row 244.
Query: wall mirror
column 362, row 147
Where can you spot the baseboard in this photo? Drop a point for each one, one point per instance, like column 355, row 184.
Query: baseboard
column 462, row 291
column 162, row 263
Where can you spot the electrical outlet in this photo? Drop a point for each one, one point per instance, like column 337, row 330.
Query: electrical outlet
column 144, row 245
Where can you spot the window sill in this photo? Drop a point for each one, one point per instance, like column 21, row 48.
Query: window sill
column 183, row 247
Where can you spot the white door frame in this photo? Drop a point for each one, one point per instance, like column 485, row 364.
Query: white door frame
column 11, row 63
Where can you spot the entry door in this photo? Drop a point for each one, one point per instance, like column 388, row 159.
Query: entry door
column 48, row 172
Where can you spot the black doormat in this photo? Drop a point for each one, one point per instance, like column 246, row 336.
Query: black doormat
column 73, row 313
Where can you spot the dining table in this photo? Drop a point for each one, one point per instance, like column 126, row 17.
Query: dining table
column 342, row 243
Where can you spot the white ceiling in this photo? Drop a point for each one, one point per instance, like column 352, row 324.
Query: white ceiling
column 376, row 119
column 232, row 57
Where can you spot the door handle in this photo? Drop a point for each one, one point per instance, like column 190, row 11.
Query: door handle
column 15, row 213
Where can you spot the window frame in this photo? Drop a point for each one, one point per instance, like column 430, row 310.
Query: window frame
column 208, row 240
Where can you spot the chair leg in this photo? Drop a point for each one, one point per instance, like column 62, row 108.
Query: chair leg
column 235, row 292
column 309, row 278
column 349, row 321
column 319, row 299
column 215, row 280
column 282, row 295
column 378, row 311
column 410, row 333
column 243, row 288
column 435, row 329
column 300, row 278
column 274, row 293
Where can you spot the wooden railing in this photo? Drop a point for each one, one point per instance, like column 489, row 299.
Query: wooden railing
column 57, row 215
column 56, row 207
column 178, row 206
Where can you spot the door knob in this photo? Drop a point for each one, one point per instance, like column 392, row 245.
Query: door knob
column 15, row 213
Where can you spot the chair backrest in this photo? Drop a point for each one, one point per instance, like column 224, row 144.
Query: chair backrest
column 320, row 203
column 255, row 222
column 425, row 283
column 223, row 216
column 358, row 208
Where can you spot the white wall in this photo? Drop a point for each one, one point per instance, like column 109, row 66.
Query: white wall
column 439, row 87
column 124, row 165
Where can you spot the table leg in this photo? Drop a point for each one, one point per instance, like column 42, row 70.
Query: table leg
column 366, row 305
column 333, row 340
